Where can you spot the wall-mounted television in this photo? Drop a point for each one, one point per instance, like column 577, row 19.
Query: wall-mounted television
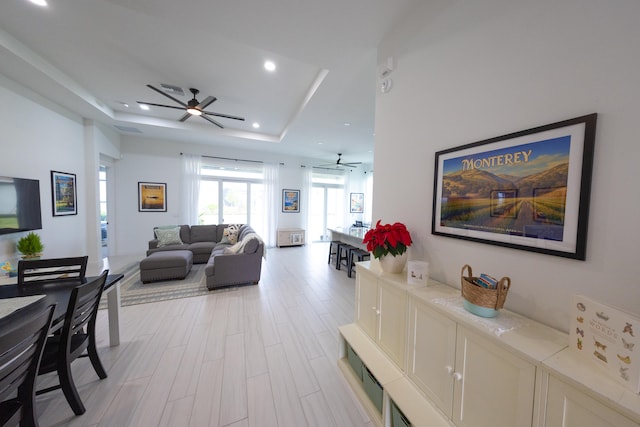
column 19, row 205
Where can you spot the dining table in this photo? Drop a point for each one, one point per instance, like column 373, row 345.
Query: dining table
column 58, row 292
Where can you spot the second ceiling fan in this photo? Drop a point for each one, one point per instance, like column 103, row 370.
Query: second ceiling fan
column 193, row 107
column 339, row 163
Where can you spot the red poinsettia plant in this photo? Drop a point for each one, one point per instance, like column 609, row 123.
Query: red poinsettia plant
column 393, row 239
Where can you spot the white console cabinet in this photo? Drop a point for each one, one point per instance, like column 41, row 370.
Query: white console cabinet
column 446, row 366
column 578, row 394
column 381, row 310
column 290, row 237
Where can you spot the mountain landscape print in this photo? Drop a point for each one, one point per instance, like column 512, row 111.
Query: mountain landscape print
column 520, row 190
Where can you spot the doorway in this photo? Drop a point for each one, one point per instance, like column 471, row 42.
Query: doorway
column 103, row 175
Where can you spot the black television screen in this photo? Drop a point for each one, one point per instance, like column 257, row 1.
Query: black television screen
column 19, row 205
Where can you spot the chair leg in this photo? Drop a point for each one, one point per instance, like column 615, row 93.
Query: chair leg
column 28, row 418
column 350, row 263
column 95, row 359
column 69, row 388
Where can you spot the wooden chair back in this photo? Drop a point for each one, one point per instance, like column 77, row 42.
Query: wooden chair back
column 22, row 337
column 74, row 339
column 51, row 269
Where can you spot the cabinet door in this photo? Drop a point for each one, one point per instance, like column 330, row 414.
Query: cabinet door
column 492, row 387
column 392, row 330
column 568, row 407
column 431, row 359
column 367, row 303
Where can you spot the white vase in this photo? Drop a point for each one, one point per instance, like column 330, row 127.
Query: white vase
column 393, row 264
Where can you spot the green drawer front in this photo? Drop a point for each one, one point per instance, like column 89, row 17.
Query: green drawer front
column 355, row 362
column 373, row 388
column 397, row 417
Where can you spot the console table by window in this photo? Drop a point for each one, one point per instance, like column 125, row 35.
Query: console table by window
column 290, row 237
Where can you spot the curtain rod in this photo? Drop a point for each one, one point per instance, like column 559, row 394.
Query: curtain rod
column 228, row 158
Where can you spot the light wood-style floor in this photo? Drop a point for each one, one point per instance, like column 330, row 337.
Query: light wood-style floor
column 262, row 356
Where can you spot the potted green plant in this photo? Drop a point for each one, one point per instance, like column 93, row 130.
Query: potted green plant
column 30, row 246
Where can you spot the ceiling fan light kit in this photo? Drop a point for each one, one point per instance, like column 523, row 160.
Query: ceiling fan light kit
column 193, row 107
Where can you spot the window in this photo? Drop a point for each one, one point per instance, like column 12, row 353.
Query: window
column 327, row 204
column 231, row 193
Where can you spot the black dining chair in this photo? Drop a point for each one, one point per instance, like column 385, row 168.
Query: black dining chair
column 22, row 337
column 78, row 334
column 51, row 269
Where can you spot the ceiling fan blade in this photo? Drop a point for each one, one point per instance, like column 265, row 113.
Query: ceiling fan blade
column 160, row 105
column 207, row 101
column 185, row 117
column 168, row 96
column 226, row 116
column 212, row 121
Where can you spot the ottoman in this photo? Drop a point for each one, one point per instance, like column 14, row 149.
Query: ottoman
column 166, row 265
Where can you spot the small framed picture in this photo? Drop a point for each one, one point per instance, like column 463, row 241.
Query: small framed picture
column 290, row 201
column 64, row 193
column 152, row 197
column 357, row 202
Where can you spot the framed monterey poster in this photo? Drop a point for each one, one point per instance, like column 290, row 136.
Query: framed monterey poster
column 527, row 190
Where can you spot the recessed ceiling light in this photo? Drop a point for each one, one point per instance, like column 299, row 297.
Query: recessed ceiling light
column 255, row 125
column 144, row 107
column 42, row 3
column 347, row 124
column 269, row 66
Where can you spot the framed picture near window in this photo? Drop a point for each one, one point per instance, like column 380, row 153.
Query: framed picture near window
column 152, row 197
column 357, row 202
column 290, row 201
column 64, row 193
column 528, row 190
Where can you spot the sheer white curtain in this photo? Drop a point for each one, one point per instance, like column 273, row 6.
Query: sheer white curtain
column 348, row 189
column 190, row 188
column 306, row 198
column 271, row 197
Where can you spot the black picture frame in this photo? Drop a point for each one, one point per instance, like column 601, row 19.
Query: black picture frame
column 64, row 193
column 290, row 201
column 152, row 197
column 528, row 190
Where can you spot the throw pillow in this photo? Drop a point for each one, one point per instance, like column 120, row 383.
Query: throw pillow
column 230, row 234
column 169, row 236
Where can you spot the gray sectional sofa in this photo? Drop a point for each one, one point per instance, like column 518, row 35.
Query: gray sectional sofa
column 228, row 264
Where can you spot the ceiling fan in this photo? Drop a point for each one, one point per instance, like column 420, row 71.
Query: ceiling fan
column 193, row 107
column 339, row 163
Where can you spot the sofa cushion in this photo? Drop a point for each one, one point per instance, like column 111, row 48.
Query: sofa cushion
column 168, row 236
column 203, row 233
column 202, row 247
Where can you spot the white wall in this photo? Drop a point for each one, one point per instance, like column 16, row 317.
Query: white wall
column 467, row 71
column 38, row 137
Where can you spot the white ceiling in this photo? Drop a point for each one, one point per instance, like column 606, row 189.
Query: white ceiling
column 91, row 56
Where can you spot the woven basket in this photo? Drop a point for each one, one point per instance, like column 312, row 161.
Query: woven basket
column 483, row 297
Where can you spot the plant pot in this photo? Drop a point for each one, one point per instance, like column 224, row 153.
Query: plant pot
column 393, row 264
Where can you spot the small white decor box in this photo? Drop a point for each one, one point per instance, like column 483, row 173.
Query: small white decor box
column 607, row 336
column 417, row 272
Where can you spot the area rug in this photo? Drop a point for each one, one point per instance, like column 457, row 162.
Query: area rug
column 133, row 291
